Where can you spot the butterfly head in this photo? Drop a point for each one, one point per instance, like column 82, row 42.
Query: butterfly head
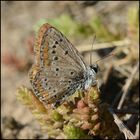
column 91, row 75
column 95, row 67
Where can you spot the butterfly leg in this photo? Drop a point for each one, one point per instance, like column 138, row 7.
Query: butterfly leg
column 96, row 83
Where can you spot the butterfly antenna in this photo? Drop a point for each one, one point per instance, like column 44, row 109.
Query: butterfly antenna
column 92, row 49
column 111, row 54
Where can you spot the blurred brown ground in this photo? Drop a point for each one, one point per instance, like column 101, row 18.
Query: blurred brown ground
column 18, row 19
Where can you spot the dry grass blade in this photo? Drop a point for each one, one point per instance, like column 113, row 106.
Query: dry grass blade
column 127, row 85
column 126, row 111
column 128, row 134
column 137, row 132
column 87, row 48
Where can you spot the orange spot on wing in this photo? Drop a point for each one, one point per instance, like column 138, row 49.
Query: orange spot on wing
column 43, row 29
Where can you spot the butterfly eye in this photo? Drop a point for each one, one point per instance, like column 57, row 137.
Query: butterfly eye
column 95, row 67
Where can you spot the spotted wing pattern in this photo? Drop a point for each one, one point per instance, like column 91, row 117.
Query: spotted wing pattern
column 59, row 68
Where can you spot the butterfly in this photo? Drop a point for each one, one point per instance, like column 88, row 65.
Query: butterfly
column 59, row 68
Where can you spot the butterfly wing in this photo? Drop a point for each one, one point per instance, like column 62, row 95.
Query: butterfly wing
column 59, row 68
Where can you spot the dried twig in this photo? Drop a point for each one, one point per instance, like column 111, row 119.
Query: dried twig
column 128, row 134
column 87, row 48
column 125, row 88
column 137, row 132
column 126, row 111
column 123, row 71
column 127, row 85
